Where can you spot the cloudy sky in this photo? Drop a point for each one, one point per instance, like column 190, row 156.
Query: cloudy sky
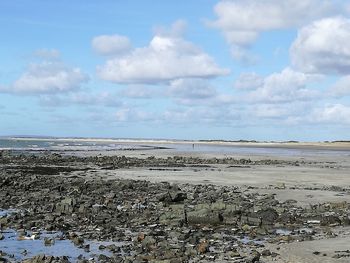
column 185, row 69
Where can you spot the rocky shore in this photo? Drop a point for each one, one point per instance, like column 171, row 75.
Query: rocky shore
column 43, row 199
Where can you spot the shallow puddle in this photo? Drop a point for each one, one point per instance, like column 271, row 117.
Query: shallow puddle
column 21, row 249
column 4, row 213
column 283, row 232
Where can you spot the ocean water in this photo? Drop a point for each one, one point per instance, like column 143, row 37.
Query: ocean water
column 66, row 145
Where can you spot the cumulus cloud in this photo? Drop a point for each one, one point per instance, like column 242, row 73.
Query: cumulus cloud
column 337, row 113
column 47, row 77
column 191, row 88
column 249, row 81
column 241, row 22
column 341, row 87
column 108, row 45
column 285, row 86
column 197, row 93
column 243, row 55
column 177, row 29
column 166, row 58
column 323, row 47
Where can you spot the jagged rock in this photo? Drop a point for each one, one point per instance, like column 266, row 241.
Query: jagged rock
column 268, row 216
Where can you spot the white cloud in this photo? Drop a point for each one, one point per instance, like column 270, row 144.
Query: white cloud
column 282, row 111
column 47, row 77
column 337, row 113
column 177, row 29
column 200, row 115
column 249, row 81
column 105, row 99
column 243, row 55
column 220, row 100
column 102, row 99
column 242, row 21
column 285, row 86
column 133, row 115
column 198, row 93
column 341, row 87
column 270, row 111
column 191, row 88
column 166, row 58
column 108, row 45
column 323, row 47
column 139, row 92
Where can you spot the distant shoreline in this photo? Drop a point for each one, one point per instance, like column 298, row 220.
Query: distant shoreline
column 328, row 145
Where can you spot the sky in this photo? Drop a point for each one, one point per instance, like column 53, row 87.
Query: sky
column 186, row 69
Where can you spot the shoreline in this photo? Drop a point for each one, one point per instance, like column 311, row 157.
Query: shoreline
column 331, row 146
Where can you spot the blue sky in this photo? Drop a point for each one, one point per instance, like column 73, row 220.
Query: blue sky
column 209, row 69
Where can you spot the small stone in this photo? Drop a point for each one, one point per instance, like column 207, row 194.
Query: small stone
column 49, row 241
column 78, row 241
column 254, row 257
column 140, row 237
column 266, row 253
column 101, row 247
column 203, row 247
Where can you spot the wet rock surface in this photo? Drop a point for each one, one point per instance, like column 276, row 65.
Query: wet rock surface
column 143, row 221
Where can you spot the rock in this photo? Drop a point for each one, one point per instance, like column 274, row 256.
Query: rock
column 177, row 196
column 254, row 257
column 280, row 186
column 46, row 259
column 266, row 253
column 103, row 258
column 148, row 243
column 140, row 237
column 102, row 247
column 246, row 228
column 268, row 216
column 203, row 247
column 2, row 237
column 158, row 222
column 49, row 241
column 330, row 220
column 78, row 241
